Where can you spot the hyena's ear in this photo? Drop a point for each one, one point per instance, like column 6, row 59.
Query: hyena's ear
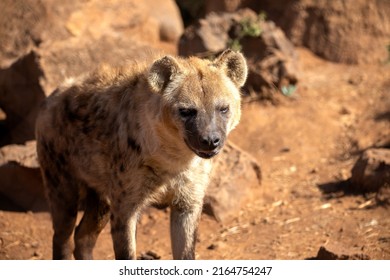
column 162, row 72
column 234, row 65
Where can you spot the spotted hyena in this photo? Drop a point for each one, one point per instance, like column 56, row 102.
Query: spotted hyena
column 124, row 138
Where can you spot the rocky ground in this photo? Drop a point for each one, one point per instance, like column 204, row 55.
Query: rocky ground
column 306, row 146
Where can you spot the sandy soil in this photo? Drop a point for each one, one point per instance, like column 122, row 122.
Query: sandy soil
column 306, row 145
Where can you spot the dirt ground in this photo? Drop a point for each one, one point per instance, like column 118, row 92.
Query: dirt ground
column 306, row 145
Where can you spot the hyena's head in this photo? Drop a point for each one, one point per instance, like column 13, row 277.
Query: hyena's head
column 201, row 97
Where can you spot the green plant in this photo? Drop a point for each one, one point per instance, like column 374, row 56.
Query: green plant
column 247, row 27
column 235, row 44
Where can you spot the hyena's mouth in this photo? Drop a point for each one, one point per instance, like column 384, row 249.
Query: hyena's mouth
column 207, row 155
column 203, row 154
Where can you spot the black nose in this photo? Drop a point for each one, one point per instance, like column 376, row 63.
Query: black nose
column 210, row 142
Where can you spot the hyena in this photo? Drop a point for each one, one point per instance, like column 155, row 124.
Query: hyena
column 123, row 138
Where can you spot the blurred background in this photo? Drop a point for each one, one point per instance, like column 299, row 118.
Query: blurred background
column 306, row 174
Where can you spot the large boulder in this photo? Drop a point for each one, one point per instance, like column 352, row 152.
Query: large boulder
column 21, row 25
column 341, row 31
column 20, row 96
column 169, row 19
column 20, row 178
column 272, row 59
column 235, row 180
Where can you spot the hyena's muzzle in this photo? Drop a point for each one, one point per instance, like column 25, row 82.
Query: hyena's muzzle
column 205, row 132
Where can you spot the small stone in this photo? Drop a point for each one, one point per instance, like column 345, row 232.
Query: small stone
column 371, row 172
column 314, row 170
column 285, row 150
column 337, row 251
column 149, row 255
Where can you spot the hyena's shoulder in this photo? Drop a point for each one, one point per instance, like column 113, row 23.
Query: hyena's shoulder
column 96, row 95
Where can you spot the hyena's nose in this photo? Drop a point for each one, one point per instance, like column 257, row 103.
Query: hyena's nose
column 210, row 142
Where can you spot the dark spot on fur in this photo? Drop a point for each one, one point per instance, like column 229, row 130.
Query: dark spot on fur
column 57, row 164
column 69, row 113
column 88, row 128
column 200, row 75
column 52, row 179
column 122, row 167
column 100, row 113
column 160, row 206
column 151, row 170
column 61, row 159
column 133, row 145
column 95, row 109
column 135, row 81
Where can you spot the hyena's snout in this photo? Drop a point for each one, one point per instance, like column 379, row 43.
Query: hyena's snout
column 210, row 141
column 206, row 138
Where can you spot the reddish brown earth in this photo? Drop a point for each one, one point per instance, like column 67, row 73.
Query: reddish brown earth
column 304, row 144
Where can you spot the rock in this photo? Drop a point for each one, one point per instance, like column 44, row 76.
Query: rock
column 24, row 155
column 168, row 17
column 371, row 172
column 337, row 251
column 341, row 31
column 383, row 196
column 198, row 9
column 18, row 36
column 20, row 96
column 235, row 179
column 76, row 56
column 149, row 255
column 222, row 6
column 272, row 59
column 20, row 178
column 206, row 36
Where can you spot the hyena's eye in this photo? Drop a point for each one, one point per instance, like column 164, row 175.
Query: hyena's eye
column 224, row 110
column 186, row 113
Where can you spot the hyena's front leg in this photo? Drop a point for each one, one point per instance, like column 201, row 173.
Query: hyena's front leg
column 184, row 224
column 123, row 232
